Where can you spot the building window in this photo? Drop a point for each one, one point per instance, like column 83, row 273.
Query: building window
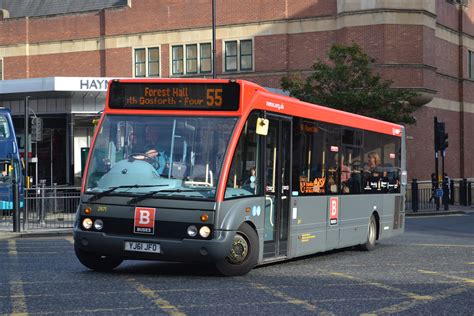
column 470, row 64
column 231, row 56
column 153, row 62
column 459, row 2
column 246, row 55
column 205, row 58
column 191, row 59
column 147, row 62
column 238, row 55
column 177, row 60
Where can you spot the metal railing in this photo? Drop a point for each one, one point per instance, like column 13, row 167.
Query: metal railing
column 421, row 195
column 50, row 207
column 44, row 208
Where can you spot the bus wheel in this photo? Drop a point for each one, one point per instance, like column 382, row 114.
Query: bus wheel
column 97, row 262
column 243, row 255
column 371, row 235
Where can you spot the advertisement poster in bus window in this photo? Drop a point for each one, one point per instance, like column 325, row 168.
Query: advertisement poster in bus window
column 144, row 220
column 333, row 210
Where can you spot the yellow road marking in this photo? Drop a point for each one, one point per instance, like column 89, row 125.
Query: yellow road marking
column 17, row 295
column 383, row 286
column 444, row 245
column 469, row 262
column 398, row 308
column 465, row 280
column 291, row 300
column 157, row 300
column 12, row 248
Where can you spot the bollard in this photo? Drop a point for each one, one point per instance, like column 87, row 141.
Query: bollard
column 451, row 191
column 463, row 192
column 43, row 201
column 16, row 201
column 414, row 195
column 469, row 194
column 445, row 194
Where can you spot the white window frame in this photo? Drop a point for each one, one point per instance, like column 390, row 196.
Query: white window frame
column 239, row 68
column 185, row 59
column 147, row 75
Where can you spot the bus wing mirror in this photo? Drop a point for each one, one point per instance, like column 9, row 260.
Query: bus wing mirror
column 262, row 126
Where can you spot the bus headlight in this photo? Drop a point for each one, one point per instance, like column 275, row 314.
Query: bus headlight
column 192, row 231
column 98, row 224
column 204, row 231
column 87, row 223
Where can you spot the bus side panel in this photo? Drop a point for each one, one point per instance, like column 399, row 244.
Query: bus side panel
column 307, row 225
column 392, row 222
column 354, row 215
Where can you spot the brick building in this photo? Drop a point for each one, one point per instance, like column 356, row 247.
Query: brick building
column 424, row 45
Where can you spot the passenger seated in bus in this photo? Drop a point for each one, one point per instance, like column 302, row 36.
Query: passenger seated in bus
column 4, row 170
column 345, row 175
column 250, row 183
column 373, row 165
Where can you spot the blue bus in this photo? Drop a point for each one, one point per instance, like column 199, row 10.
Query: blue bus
column 10, row 164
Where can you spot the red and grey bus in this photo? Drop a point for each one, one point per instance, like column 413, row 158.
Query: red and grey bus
column 228, row 173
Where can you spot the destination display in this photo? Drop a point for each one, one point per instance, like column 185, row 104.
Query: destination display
column 174, row 96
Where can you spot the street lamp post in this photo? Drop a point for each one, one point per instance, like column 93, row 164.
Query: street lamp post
column 213, row 39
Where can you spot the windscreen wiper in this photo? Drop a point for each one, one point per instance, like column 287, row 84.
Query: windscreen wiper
column 112, row 189
column 148, row 195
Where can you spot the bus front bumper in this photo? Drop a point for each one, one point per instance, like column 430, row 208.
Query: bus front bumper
column 180, row 250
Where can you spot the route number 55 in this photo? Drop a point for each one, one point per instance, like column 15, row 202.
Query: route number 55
column 214, row 97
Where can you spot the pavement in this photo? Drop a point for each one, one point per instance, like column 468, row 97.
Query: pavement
column 57, row 232
column 33, row 233
column 453, row 209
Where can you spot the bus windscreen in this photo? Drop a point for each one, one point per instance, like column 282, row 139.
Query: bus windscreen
column 174, row 96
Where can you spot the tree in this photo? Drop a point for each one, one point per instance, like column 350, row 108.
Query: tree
column 348, row 83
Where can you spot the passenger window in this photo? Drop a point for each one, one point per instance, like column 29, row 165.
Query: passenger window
column 382, row 167
column 315, row 157
column 4, row 130
column 391, row 162
column 245, row 175
column 351, row 170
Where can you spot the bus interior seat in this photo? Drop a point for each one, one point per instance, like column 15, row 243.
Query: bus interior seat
column 198, row 171
column 178, row 170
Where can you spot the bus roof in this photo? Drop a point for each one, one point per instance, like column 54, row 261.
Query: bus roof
column 251, row 96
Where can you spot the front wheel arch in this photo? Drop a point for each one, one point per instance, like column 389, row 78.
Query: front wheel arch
column 244, row 252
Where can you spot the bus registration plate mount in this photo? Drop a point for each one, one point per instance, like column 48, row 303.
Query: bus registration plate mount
column 142, row 247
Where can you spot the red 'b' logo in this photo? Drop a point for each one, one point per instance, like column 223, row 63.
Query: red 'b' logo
column 333, row 210
column 144, row 220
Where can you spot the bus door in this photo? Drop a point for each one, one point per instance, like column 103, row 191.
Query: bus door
column 277, row 186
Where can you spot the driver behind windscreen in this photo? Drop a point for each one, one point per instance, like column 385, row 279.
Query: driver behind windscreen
column 152, row 151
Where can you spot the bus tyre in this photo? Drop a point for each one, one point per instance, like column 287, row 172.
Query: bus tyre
column 97, row 262
column 371, row 235
column 243, row 255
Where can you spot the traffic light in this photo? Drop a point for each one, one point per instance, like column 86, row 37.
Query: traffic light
column 445, row 141
column 441, row 137
column 439, row 134
column 37, row 129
